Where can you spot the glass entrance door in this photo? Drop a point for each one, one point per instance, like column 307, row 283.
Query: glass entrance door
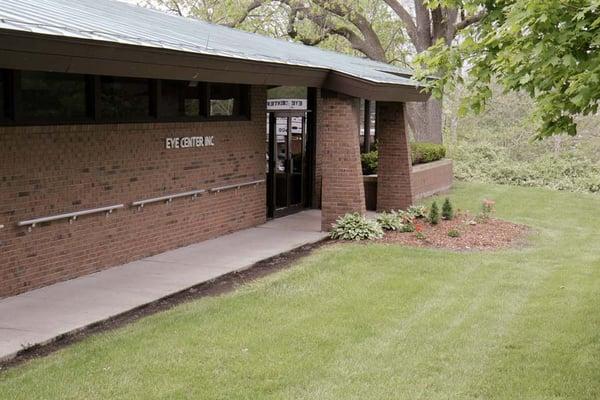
column 287, row 148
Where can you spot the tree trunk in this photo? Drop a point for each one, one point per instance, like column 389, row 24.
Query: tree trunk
column 425, row 121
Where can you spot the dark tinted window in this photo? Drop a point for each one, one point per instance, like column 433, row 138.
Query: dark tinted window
column 52, row 96
column 183, row 99
column 124, row 98
column 226, row 100
column 3, row 96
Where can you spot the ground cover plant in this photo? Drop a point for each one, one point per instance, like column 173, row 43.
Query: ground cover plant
column 355, row 226
column 370, row 321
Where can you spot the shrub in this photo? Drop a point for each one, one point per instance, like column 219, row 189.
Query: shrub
column 434, row 214
column 487, row 208
column 421, row 153
column 390, row 221
column 447, row 210
column 407, row 227
column 405, row 217
column 355, row 226
column 453, row 233
column 417, row 211
column 369, row 162
column 426, row 152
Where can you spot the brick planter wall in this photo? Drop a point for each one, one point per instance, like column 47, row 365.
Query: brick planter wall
column 432, row 178
column 427, row 180
column 48, row 170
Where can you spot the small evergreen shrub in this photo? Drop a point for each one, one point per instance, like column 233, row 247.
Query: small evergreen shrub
column 453, row 233
column 390, row 221
column 417, row 211
column 355, row 226
column 434, row 214
column 423, row 153
column 447, row 210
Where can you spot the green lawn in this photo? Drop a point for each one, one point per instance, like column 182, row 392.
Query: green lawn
column 371, row 322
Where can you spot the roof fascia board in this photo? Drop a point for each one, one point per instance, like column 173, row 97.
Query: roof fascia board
column 357, row 87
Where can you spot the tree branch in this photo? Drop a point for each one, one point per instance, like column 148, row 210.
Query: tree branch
column 405, row 17
column 470, row 20
column 251, row 7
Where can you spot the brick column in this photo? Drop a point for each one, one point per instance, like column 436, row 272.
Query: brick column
column 394, row 189
column 338, row 151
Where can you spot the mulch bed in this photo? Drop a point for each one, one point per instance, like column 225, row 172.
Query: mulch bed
column 490, row 234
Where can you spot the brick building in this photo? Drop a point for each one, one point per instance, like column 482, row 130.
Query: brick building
column 125, row 132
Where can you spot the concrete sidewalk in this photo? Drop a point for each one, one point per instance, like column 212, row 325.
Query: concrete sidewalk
column 38, row 316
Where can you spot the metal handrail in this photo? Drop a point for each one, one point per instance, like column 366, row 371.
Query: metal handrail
column 31, row 223
column 167, row 198
column 236, row 186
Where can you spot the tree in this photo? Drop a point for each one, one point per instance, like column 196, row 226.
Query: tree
column 549, row 49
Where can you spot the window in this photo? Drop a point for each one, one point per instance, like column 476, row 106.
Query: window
column 3, row 95
column 183, row 99
column 227, row 100
column 46, row 96
column 34, row 98
column 124, row 98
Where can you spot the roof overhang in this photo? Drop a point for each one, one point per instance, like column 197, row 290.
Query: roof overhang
column 40, row 52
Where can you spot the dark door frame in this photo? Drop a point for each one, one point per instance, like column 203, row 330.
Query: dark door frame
column 308, row 160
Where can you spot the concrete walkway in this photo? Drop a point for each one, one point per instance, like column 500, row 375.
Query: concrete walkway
column 41, row 315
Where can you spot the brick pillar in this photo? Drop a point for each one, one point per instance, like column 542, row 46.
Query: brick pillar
column 394, row 189
column 338, row 151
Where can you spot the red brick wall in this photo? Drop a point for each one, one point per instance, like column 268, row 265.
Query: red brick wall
column 394, row 189
column 49, row 170
column 339, row 156
column 318, row 173
column 432, row 178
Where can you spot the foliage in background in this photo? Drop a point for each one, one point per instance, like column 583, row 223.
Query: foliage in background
column 421, row 153
column 496, row 147
column 355, row 226
column 548, row 49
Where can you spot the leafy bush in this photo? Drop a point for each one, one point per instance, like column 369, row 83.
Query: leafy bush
column 355, row 226
column 447, row 210
column 390, row 221
column 426, row 152
column 434, row 214
column 369, row 162
column 417, row 211
column 421, row 153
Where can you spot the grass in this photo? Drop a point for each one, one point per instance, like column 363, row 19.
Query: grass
column 370, row 322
